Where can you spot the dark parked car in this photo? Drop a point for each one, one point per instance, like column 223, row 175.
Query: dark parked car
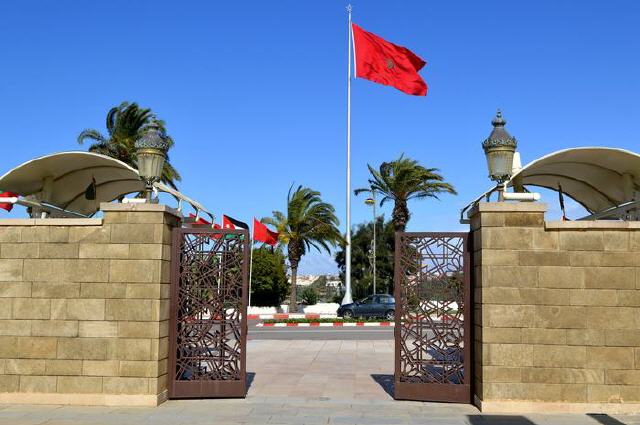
column 372, row 306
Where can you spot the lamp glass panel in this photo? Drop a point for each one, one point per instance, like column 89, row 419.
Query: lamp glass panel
column 500, row 163
column 150, row 165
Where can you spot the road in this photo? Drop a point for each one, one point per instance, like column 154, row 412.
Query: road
column 317, row 333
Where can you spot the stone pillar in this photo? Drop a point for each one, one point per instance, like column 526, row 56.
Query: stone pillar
column 84, row 307
column 557, row 312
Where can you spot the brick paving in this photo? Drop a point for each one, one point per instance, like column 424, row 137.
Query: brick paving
column 302, row 382
column 338, row 369
column 275, row 410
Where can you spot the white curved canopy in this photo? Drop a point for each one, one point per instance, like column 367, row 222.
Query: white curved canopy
column 60, row 179
column 598, row 178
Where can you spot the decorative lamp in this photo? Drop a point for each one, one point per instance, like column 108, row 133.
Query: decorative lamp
column 499, row 149
column 151, row 151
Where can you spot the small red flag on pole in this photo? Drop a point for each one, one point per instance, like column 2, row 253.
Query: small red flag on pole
column 261, row 233
column 202, row 221
column 386, row 63
column 8, row 206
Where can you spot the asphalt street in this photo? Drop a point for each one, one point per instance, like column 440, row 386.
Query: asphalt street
column 317, row 333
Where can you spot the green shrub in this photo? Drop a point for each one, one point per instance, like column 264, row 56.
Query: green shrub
column 337, row 298
column 309, row 296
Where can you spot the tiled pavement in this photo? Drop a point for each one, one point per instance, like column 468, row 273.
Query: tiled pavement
column 301, row 382
column 287, row 410
column 350, row 370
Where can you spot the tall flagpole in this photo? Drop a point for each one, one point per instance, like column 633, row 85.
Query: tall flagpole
column 347, row 294
column 250, row 259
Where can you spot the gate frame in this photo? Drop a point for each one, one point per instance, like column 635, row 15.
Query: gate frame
column 424, row 391
column 205, row 389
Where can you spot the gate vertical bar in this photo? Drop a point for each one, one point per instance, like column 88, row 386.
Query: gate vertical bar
column 176, row 249
column 397, row 295
column 470, row 310
column 246, row 263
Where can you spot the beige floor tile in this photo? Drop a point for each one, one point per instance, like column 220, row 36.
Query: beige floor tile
column 312, row 369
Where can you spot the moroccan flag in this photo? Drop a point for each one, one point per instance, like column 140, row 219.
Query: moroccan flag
column 232, row 223
column 7, row 206
column 386, row 63
column 261, row 233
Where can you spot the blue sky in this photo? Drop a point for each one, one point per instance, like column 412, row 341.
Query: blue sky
column 254, row 92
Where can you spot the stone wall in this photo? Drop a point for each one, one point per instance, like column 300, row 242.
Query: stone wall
column 84, row 307
column 557, row 311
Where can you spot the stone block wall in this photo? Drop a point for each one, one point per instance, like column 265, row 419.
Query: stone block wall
column 84, row 307
column 557, row 311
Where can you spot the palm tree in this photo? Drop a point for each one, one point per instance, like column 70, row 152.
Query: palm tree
column 126, row 123
column 402, row 180
column 309, row 223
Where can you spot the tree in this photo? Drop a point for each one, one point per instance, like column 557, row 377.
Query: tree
column 361, row 265
column 402, row 180
column 309, row 295
column 269, row 286
column 126, row 123
column 309, row 223
column 325, row 292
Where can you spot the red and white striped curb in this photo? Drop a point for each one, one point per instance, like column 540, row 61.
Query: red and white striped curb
column 322, row 325
column 291, row 316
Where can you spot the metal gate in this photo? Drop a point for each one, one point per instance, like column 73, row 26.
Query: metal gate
column 208, row 323
column 433, row 317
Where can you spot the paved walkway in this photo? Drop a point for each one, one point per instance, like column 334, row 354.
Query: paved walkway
column 301, row 382
column 351, row 370
column 287, row 410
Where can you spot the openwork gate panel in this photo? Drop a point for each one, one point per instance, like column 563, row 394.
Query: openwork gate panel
column 433, row 317
column 208, row 335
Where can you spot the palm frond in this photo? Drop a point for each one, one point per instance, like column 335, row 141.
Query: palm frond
column 404, row 179
column 125, row 124
column 361, row 190
column 91, row 134
column 309, row 223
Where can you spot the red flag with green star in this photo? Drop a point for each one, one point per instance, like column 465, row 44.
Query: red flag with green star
column 386, row 63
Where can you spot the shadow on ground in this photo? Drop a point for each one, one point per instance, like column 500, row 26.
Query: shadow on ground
column 499, row 420
column 385, row 381
column 250, row 377
column 521, row 420
column 604, row 419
